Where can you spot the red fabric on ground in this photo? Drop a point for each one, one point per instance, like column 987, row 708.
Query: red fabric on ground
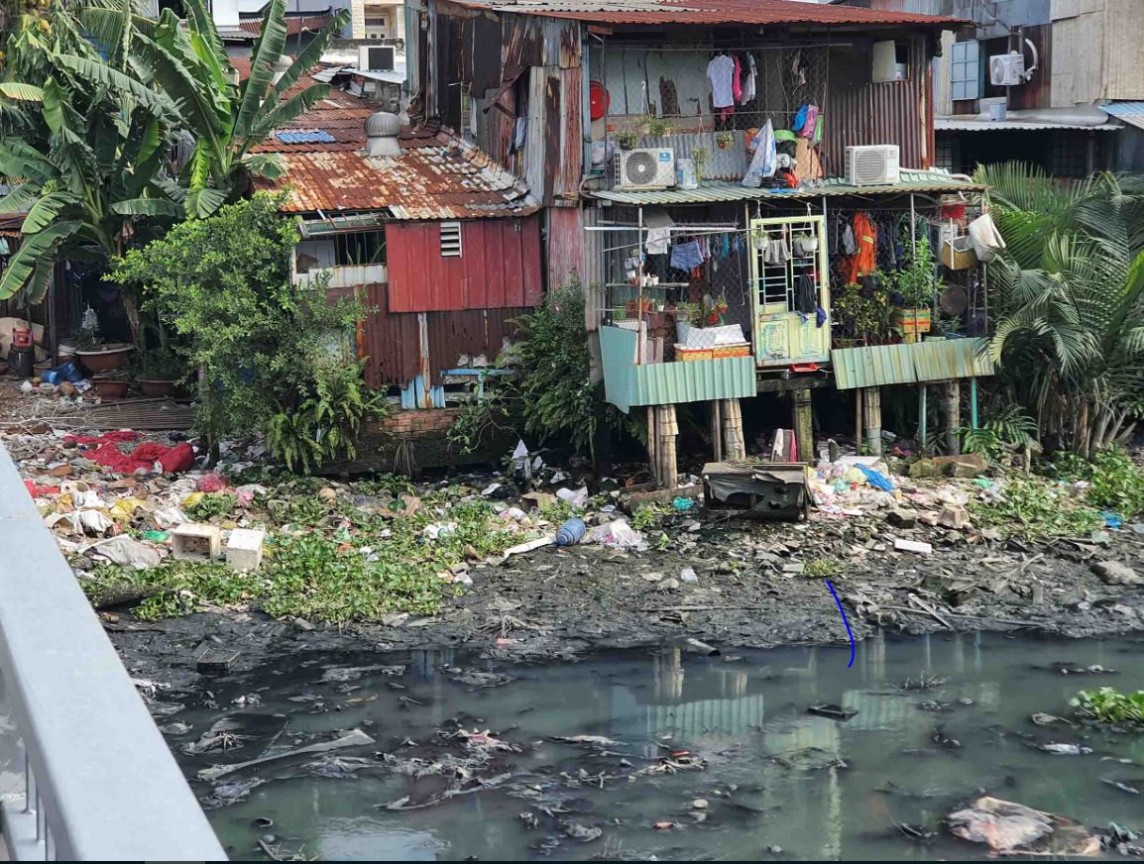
column 107, row 453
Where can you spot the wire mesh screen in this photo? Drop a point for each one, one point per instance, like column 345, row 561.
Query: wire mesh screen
column 671, row 83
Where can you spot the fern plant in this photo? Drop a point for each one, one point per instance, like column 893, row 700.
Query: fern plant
column 327, row 422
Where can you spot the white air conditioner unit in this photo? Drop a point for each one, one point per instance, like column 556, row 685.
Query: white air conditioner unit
column 646, row 168
column 376, row 58
column 873, row 165
column 1007, row 70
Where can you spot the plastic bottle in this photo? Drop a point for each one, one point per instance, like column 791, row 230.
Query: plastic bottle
column 571, row 532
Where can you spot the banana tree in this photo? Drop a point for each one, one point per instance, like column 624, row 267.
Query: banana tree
column 1069, row 298
column 228, row 118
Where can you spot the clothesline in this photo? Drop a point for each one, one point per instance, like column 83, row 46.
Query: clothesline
column 724, row 48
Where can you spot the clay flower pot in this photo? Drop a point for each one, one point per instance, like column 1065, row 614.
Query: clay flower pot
column 156, row 388
column 110, row 388
column 105, row 358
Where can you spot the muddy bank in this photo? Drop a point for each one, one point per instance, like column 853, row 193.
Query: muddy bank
column 552, row 603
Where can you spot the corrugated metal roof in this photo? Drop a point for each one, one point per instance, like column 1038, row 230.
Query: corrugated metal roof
column 935, row 360
column 912, row 181
column 707, row 12
column 948, row 124
column 295, row 24
column 1129, row 112
column 437, row 177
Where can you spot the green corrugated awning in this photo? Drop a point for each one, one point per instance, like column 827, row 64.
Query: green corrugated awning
column 343, row 224
column 919, row 363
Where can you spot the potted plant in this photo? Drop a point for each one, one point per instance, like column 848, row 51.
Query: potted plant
column 627, row 138
column 724, row 140
column 700, row 156
column 159, row 372
column 864, row 312
column 915, row 286
column 658, row 126
column 110, row 385
column 95, row 354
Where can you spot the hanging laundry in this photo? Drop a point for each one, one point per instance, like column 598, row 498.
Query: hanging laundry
column 659, row 232
column 749, row 81
column 849, row 247
column 686, row 256
column 720, row 72
column 865, row 259
column 806, row 295
column 736, row 79
column 819, row 316
column 765, row 160
column 810, row 122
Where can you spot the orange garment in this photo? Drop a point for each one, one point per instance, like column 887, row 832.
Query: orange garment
column 864, row 261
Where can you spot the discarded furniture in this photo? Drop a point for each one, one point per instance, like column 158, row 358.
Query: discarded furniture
column 758, row 490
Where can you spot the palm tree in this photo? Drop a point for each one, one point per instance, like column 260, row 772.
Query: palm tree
column 1068, row 296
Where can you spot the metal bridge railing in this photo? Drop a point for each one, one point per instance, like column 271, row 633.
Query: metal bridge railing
column 98, row 781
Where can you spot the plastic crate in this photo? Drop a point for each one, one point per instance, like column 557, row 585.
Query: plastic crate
column 682, row 352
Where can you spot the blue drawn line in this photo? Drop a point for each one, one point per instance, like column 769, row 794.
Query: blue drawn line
column 844, row 621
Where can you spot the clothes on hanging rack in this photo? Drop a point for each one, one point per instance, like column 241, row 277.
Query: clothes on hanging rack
column 686, row 255
column 865, row 258
column 748, row 80
column 721, row 74
column 806, row 295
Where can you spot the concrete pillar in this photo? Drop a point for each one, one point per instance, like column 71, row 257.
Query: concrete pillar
column 666, row 470
column 872, row 420
column 714, row 410
column 734, row 444
column 803, row 424
column 953, row 417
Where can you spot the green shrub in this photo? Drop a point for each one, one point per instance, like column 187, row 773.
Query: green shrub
column 1117, row 483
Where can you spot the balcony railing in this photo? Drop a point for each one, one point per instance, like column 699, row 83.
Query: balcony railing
column 94, row 779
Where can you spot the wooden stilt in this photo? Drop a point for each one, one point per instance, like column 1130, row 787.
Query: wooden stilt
column 859, row 398
column 872, row 399
column 666, row 430
column 713, row 408
column 953, row 417
column 734, row 445
column 652, row 441
column 803, row 425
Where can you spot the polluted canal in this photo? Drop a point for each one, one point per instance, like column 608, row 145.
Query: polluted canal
column 660, row 754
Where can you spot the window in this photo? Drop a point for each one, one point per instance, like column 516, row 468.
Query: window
column 358, row 249
column 965, row 71
column 450, row 239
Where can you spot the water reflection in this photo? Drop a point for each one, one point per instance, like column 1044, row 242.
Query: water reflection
column 816, row 787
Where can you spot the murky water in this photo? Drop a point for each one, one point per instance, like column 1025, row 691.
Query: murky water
column 774, row 777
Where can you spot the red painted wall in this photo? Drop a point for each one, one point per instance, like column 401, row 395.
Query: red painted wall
column 499, row 266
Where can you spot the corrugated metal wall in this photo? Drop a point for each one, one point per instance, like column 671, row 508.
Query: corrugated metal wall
column 499, row 266
column 1124, row 50
column 391, row 341
column 860, row 112
column 592, row 267
column 565, row 246
column 533, row 64
column 1077, row 59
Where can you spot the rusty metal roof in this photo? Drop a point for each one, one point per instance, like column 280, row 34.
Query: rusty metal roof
column 708, row 12
column 431, row 178
column 295, row 24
